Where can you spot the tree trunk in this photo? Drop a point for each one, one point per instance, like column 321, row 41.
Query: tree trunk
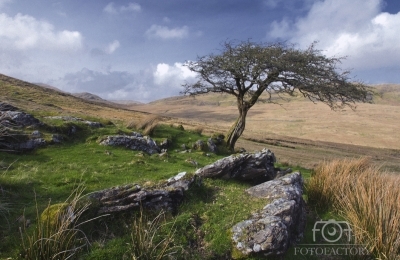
column 237, row 128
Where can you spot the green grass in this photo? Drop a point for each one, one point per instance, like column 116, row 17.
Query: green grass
column 203, row 221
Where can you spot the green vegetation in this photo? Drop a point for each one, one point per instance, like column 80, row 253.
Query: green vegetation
column 44, row 178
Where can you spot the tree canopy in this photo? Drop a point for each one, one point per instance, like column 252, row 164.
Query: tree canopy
column 247, row 70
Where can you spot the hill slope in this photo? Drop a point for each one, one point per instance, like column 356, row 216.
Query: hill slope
column 47, row 101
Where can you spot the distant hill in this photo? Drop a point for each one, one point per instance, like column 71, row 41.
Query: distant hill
column 89, row 96
column 126, row 102
column 387, row 94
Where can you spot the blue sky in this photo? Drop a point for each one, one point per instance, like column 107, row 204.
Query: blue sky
column 135, row 50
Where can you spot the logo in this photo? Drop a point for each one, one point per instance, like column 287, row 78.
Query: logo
column 332, row 231
column 331, row 238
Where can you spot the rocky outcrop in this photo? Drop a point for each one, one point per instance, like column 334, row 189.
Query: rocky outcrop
column 29, row 145
column 21, row 119
column 278, row 225
column 77, row 119
column 257, row 167
column 133, row 196
column 137, row 143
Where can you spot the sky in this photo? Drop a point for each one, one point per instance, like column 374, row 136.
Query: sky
column 136, row 49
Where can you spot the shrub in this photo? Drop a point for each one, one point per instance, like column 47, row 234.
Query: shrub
column 366, row 198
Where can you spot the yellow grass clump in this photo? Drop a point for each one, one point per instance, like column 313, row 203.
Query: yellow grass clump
column 147, row 124
column 367, row 198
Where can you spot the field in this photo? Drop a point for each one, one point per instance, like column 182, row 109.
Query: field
column 300, row 133
column 297, row 130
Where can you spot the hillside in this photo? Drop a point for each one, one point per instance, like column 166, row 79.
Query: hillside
column 297, row 130
column 47, row 101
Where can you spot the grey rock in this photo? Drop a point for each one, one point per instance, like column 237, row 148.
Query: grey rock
column 279, row 224
column 31, row 144
column 136, row 134
column 199, row 145
column 21, row 118
column 77, row 119
column 257, row 167
column 144, row 144
column 132, row 197
column 212, row 146
column 7, row 107
column 165, row 144
column 56, row 138
column 93, row 124
column 36, row 134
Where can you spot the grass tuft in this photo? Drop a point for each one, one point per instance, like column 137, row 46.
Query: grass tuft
column 366, row 198
column 146, row 240
column 57, row 233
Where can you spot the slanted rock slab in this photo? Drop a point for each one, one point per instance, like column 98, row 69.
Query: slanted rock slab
column 257, row 167
column 278, row 225
column 133, row 196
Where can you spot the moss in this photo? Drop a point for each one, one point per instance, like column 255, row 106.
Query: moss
column 51, row 215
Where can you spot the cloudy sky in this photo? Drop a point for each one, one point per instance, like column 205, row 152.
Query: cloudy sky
column 135, row 49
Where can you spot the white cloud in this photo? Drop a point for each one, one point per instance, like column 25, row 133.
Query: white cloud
column 163, row 32
column 357, row 29
column 112, row 9
column 24, row 32
column 172, row 76
column 112, row 47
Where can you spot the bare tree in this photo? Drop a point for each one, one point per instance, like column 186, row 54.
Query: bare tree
column 247, row 70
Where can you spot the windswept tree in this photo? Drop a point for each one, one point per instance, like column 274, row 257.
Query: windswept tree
column 247, row 70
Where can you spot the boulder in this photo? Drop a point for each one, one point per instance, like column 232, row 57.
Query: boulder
column 133, row 196
column 7, row 107
column 278, row 225
column 212, row 146
column 199, row 145
column 256, row 167
column 144, row 144
column 21, row 119
column 29, row 145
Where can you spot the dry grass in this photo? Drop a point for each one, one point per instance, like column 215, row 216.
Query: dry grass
column 367, row 198
column 370, row 125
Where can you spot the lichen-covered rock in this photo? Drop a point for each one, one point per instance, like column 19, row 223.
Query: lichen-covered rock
column 279, row 224
column 21, row 118
column 144, row 144
column 257, row 167
column 133, row 196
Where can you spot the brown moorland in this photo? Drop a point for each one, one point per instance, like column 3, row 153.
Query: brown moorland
column 298, row 131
